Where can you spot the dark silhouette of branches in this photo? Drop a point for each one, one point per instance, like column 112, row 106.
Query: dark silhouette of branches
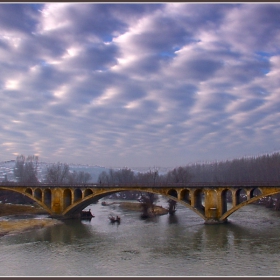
column 59, row 173
column 25, row 169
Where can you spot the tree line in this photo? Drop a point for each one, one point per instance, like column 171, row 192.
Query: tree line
column 265, row 168
column 26, row 172
column 151, row 177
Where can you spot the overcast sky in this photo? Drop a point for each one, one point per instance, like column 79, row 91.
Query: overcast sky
column 139, row 84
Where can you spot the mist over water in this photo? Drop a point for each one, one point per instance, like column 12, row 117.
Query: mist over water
column 179, row 245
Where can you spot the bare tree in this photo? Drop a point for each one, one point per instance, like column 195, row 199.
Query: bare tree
column 103, row 178
column 85, row 177
column 19, row 168
column 57, row 173
column 147, row 201
column 122, row 176
column 80, row 177
column 25, row 169
column 151, row 177
column 179, row 175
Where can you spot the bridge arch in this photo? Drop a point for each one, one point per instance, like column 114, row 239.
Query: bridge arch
column 30, row 193
column 91, row 197
column 184, row 198
column 247, row 202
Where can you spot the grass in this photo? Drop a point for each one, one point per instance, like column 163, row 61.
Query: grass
column 18, row 209
column 18, row 226
column 15, row 226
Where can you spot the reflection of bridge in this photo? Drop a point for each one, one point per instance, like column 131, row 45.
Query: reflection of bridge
column 208, row 200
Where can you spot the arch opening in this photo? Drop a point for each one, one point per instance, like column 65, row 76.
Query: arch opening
column 77, row 194
column 87, row 192
column 67, row 198
column 199, row 200
column 185, row 196
column 255, row 192
column 47, row 197
column 29, row 191
column 173, row 193
column 226, row 197
column 38, row 194
column 241, row 196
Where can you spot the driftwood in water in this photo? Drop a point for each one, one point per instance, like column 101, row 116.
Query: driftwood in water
column 113, row 219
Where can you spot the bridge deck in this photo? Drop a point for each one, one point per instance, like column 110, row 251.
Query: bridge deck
column 159, row 185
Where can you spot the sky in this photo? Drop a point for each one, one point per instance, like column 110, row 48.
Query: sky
column 139, row 84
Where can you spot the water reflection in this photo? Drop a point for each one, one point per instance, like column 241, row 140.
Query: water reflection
column 68, row 232
column 179, row 245
column 173, row 219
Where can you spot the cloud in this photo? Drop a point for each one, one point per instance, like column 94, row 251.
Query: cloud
column 139, row 84
column 252, row 27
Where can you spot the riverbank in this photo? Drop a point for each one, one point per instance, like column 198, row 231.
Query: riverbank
column 20, row 209
column 21, row 225
column 18, row 218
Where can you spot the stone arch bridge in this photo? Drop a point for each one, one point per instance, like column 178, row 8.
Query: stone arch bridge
column 209, row 201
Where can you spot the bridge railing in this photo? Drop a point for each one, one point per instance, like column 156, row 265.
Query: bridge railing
column 152, row 185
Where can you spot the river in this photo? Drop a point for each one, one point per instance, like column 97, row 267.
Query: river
column 179, row 245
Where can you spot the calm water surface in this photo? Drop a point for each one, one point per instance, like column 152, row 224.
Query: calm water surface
column 180, row 245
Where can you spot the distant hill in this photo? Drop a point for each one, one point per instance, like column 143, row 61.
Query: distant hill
column 7, row 169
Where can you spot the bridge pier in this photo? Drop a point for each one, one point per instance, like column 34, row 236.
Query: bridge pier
column 214, row 201
column 65, row 217
column 213, row 221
